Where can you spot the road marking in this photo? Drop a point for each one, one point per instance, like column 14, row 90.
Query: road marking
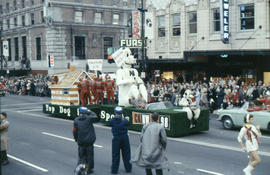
column 173, row 139
column 266, row 137
column 65, row 138
column 21, row 104
column 178, row 163
column 30, row 110
column 209, row 172
column 22, row 109
column 27, row 163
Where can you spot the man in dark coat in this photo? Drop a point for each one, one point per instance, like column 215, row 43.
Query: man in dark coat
column 120, row 141
column 84, row 135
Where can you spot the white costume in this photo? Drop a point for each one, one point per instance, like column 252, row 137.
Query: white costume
column 190, row 107
column 129, row 83
column 251, row 145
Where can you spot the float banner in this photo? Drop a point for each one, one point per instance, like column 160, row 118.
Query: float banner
column 136, row 24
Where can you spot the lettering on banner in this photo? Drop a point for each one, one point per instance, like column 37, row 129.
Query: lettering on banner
column 107, row 116
column 144, row 118
column 63, row 110
column 50, row 109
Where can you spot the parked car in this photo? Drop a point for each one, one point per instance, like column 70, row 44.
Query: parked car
column 2, row 92
column 234, row 117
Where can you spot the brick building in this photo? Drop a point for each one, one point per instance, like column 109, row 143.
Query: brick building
column 188, row 36
column 70, row 30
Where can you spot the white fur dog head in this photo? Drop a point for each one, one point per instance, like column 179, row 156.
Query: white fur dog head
column 123, row 57
column 188, row 94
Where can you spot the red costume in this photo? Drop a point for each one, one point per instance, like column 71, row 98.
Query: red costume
column 109, row 86
column 99, row 84
column 84, row 91
column 93, row 88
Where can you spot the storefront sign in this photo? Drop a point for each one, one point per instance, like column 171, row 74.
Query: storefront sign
column 95, row 64
column 132, row 43
column 225, row 14
column 136, row 24
column 144, row 118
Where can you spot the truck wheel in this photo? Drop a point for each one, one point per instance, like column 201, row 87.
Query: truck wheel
column 227, row 123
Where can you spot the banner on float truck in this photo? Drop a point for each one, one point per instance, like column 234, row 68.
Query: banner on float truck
column 5, row 48
column 50, row 59
column 149, row 24
column 136, row 24
column 224, row 15
column 95, row 64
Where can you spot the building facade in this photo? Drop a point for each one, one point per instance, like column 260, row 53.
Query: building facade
column 188, row 35
column 70, row 30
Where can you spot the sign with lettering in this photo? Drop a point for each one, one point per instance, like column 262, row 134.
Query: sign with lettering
column 144, row 118
column 131, row 43
column 95, row 64
column 136, row 24
column 5, row 48
column 225, row 19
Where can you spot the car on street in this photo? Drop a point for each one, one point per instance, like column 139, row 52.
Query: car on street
column 2, row 92
column 234, row 117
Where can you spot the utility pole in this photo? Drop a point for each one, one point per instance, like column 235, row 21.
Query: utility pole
column 142, row 10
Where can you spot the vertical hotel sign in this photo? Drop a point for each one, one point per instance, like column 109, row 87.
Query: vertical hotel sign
column 225, row 16
column 136, row 24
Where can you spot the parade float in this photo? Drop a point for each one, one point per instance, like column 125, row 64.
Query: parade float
column 176, row 120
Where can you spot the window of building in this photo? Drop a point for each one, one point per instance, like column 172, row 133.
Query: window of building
column 176, row 24
column 115, row 2
column 192, row 19
column 78, row 17
column 7, row 7
column 108, row 42
column 32, row 2
column 80, row 47
column 99, row 2
column 161, row 26
column 23, row 3
column 8, row 24
column 247, row 17
column 16, row 43
column 32, row 18
column 24, row 50
column 125, row 2
column 216, row 19
column 132, row 2
column 98, row 18
column 42, row 1
column 115, row 19
column 9, row 50
column 15, row 4
column 15, row 22
column 42, row 20
column 23, row 20
column 38, row 48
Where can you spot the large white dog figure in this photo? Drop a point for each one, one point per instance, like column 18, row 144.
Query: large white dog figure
column 130, row 85
column 193, row 113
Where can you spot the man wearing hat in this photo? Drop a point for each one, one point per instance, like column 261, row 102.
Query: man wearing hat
column 120, row 141
column 84, row 135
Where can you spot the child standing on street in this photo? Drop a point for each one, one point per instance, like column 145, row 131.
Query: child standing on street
column 250, row 133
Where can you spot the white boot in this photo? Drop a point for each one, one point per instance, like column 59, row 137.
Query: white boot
column 248, row 170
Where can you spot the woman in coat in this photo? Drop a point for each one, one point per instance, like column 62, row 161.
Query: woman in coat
column 4, row 138
column 150, row 153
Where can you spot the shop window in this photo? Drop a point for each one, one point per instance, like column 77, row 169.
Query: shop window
column 78, row 17
column 32, row 18
column 192, row 22
column 16, row 43
column 161, row 26
column 216, row 19
column 98, row 18
column 115, row 19
column 176, row 25
column 24, row 48
column 247, row 17
column 108, row 42
column 9, row 50
column 38, row 48
column 80, row 47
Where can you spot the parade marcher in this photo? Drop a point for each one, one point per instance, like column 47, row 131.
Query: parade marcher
column 99, row 87
column 84, row 135
column 150, row 153
column 4, row 138
column 84, row 91
column 120, row 141
column 109, row 86
column 250, row 133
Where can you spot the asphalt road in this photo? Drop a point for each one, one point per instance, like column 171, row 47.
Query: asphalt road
column 42, row 145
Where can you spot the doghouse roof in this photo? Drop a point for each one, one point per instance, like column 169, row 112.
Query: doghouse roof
column 69, row 79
